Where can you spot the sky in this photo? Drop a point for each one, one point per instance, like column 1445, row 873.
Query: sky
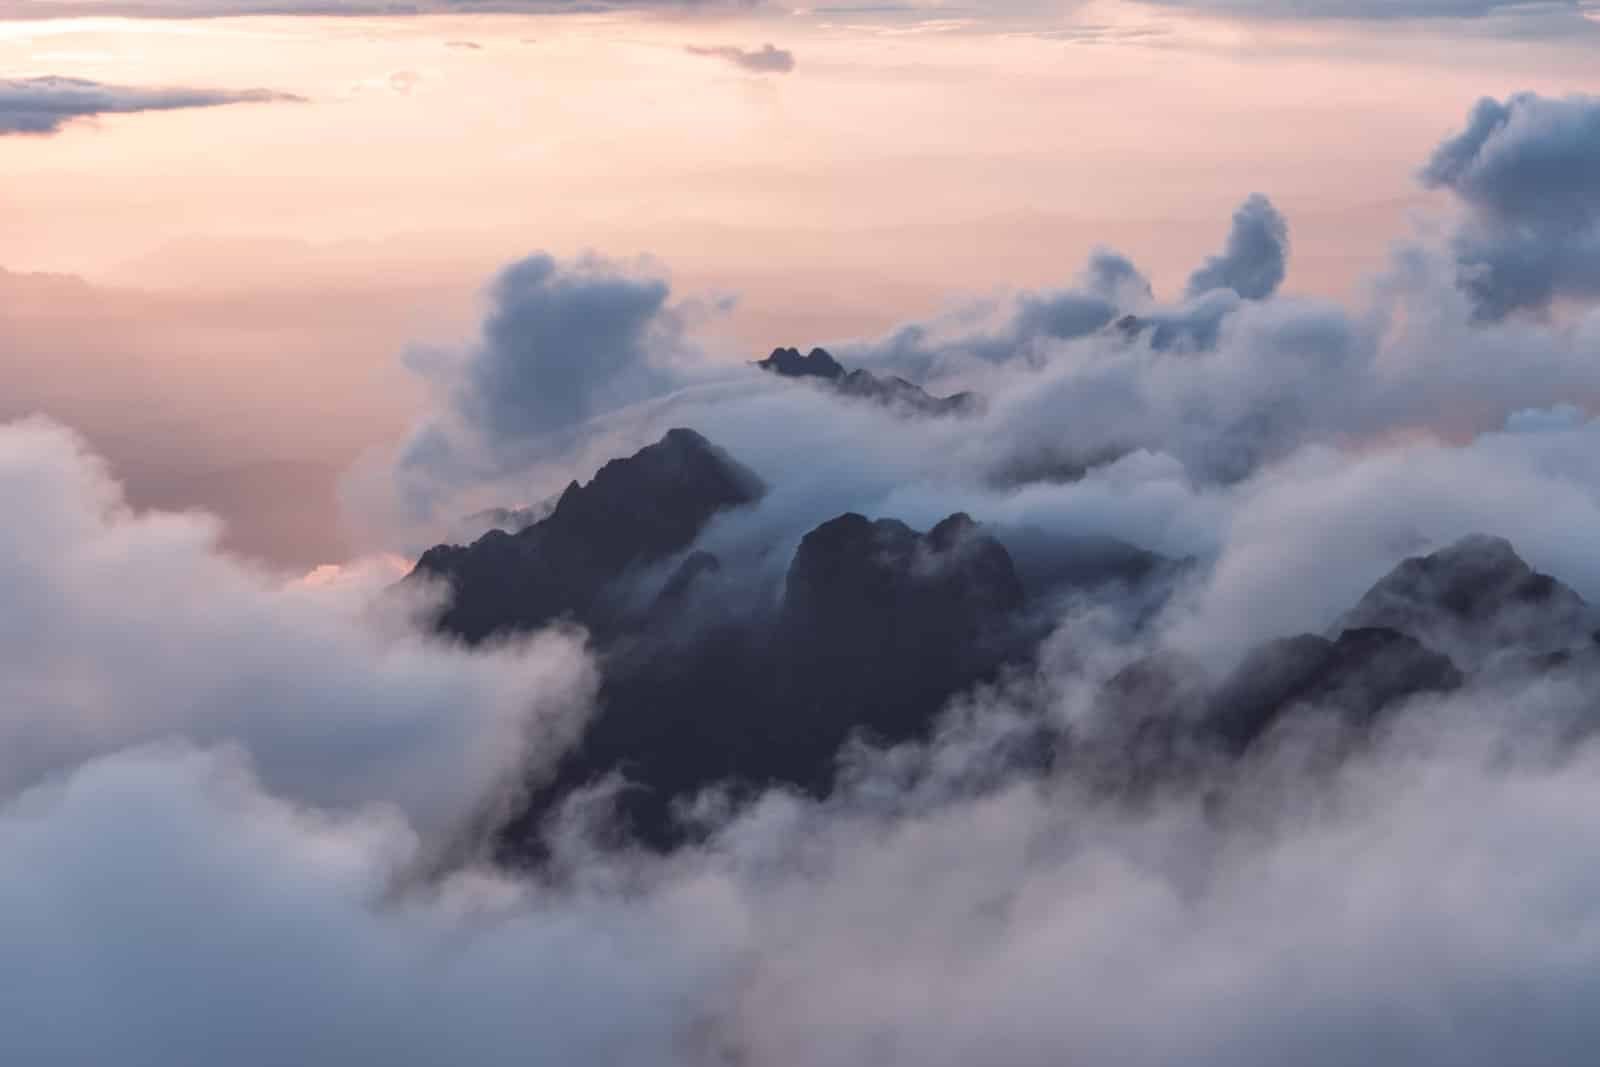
column 269, row 210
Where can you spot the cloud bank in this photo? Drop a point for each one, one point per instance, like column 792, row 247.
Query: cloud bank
column 129, row 629
column 44, row 105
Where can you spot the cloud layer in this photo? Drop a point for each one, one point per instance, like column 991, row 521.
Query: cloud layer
column 127, row 629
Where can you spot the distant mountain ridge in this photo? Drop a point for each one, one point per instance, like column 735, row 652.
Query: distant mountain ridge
column 891, row 392
column 707, row 682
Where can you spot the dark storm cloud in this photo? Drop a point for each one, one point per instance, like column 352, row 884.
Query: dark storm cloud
column 1256, row 257
column 44, row 105
column 765, row 60
column 1527, row 171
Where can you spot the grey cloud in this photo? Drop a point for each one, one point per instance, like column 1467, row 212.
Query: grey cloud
column 1527, row 171
column 561, row 343
column 1256, row 258
column 1108, row 284
column 46, row 104
column 766, row 60
column 1527, row 160
column 1113, row 276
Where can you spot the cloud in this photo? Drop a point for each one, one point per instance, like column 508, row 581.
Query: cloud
column 766, row 60
column 125, row 629
column 44, row 105
column 1527, row 172
column 1256, row 257
column 562, row 342
column 1024, row 324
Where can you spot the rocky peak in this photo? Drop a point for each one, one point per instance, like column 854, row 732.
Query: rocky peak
column 789, row 363
column 891, row 392
column 635, row 511
column 1363, row 673
column 1475, row 599
column 858, row 587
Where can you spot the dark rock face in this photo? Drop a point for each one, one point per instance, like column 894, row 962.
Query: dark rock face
column 713, row 681
column 880, row 622
column 891, row 392
column 1357, row 677
column 1475, row 599
column 636, row 511
column 878, row 627
column 1474, row 608
column 791, row 364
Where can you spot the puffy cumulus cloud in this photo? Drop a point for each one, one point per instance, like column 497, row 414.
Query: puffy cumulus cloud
column 1028, row 325
column 124, row 629
column 766, row 60
column 1019, row 326
column 561, row 342
column 171, row 910
column 1527, row 171
column 44, row 105
column 1256, row 256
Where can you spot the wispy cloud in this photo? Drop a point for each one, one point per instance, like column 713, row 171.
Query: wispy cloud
column 765, row 60
column 44, row 105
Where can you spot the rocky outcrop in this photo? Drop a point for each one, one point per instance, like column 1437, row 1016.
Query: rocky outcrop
column 1357, row 677
column 880, row 622
column 879, row 626
column 636, row 511
column 789, row 363
column 890, row 392
column 1471, row 611
column 709, row 679
column 1477, row 600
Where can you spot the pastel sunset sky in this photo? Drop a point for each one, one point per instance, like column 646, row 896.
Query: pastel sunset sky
column 256, row 257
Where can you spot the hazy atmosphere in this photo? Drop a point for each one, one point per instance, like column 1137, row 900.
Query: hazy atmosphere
column 710, row 533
